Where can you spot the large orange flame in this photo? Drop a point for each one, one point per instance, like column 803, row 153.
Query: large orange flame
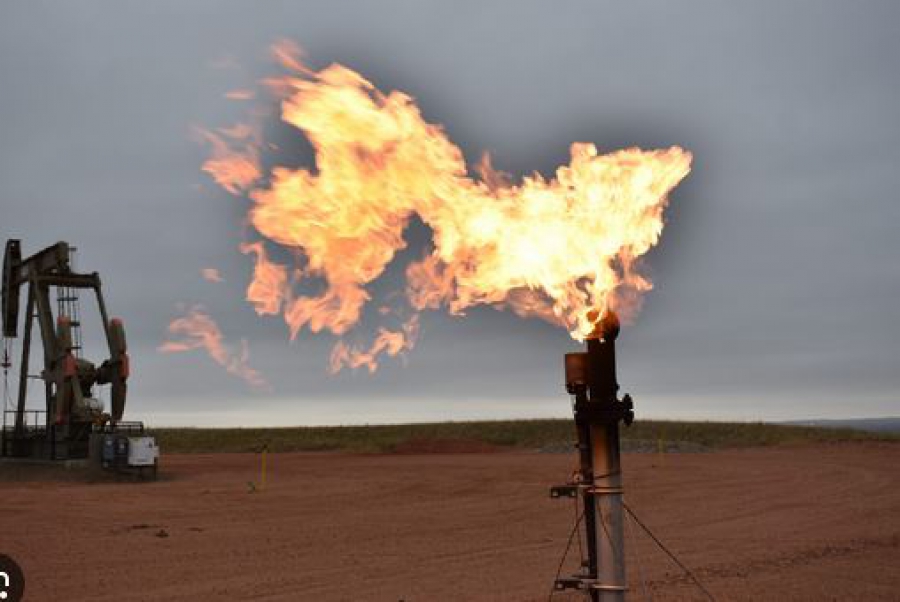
column 563, row 249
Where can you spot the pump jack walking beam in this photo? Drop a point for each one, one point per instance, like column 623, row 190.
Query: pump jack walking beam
column 591, row 379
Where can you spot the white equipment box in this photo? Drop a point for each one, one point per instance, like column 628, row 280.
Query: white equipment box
column 142, row 451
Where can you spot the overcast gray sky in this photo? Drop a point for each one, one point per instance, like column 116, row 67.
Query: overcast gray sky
column 777, row 280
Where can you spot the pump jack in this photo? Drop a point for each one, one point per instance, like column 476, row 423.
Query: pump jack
column 72, row 424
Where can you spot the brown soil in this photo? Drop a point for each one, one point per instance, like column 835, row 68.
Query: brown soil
column 806, row 523
column 446, row 446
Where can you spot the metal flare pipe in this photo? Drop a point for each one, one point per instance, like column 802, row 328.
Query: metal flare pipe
column 591, row 378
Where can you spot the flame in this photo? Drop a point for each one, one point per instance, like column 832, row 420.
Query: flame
column 391, row 342
column 241, row 94
column 562, row 249
column 269, row 285
column 234, row 163
column 211, row 275
column 197, row 330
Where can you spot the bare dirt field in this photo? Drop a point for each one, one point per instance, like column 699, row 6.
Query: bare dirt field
column 805, row 523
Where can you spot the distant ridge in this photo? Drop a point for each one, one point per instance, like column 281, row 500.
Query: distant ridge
column 874, row 425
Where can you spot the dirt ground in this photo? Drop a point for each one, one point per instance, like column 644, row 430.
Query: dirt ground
column 805, row 523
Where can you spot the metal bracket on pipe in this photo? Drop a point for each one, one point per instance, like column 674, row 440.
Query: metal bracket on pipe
column 613, row 412
column 571, row 491
column 564, row 491
column 586, row 583
column 608, row 588
column 605, row 490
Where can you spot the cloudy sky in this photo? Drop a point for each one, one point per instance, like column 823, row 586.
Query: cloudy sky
column 777, row 282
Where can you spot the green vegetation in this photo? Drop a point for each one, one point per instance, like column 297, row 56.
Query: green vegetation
column 522, row 434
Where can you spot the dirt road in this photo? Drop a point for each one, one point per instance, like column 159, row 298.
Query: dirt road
column 806, row 523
